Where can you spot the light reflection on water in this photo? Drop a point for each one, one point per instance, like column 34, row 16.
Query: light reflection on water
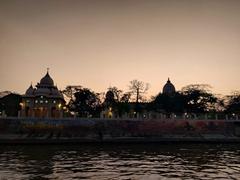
column 150, row 161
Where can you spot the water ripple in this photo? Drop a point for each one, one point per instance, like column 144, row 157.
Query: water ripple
column 199, row 161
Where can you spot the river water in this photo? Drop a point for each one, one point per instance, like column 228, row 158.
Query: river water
column 136, row 161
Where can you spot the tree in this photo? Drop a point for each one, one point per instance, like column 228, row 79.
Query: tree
column 123, row 105
column 138, row 88
column 126, row 97
column 86, row 103
column 168, row 104
column 233, row 103
column 69, row 92
column 117, row 100
column 116, row 92
column 199, row 98
column 10, row 104
column 220, row 105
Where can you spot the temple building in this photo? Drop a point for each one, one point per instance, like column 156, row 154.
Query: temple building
column 169, row 88
column 43, row 101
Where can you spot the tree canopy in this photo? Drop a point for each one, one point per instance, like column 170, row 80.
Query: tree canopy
column 138, row 88
column 194, row 98
column 233, row 103
column 86, row 103
column 169, row 104
column 198, row 98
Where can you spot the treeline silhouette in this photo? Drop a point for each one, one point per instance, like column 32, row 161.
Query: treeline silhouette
column 84, row 102
column 195, row 98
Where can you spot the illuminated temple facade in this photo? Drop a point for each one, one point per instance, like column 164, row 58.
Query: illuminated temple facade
column 43, row 101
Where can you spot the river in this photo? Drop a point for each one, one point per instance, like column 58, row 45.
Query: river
column 120, row 161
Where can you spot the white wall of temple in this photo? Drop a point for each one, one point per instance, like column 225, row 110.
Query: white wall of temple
column 41, row 106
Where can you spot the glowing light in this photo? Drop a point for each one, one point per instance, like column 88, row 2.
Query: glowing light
column 110, row 114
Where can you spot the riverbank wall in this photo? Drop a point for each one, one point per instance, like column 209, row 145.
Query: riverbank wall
column 88, row 130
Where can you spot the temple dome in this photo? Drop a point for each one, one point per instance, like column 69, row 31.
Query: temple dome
column 45, row 88
column 169, row 88
column 30, row 90
column 55, row 92
column 47, row 80
column 42, row 91
column 109, row 99
column 109, row 95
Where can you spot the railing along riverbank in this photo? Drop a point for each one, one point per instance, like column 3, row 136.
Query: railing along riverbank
column 146, row 116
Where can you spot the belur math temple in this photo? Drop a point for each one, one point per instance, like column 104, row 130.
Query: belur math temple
column 43, row 100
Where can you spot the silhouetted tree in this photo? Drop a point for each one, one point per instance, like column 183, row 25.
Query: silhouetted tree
column 116, row 92
column 138, row 88
column 233, row 103
column 220, row 105
column 198, row 98
column 69, row 92
column 10, row 104
column 126, row 97
column 165, row 103
column 124, row 105
column 86, row 103
column 118, row 101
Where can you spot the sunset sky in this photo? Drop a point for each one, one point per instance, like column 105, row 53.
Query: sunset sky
column 97, row 44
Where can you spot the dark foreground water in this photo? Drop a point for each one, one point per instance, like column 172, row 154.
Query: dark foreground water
column 145, row 161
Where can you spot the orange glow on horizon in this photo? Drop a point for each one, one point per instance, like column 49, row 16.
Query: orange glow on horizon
column 98, row 44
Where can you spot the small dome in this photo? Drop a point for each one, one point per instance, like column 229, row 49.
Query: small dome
column 47, row 80
column 109, row 95
column 109, row 99
column 169, row 88
column 30, row 90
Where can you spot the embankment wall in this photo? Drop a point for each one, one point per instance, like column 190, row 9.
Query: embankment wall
column 20, row 130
